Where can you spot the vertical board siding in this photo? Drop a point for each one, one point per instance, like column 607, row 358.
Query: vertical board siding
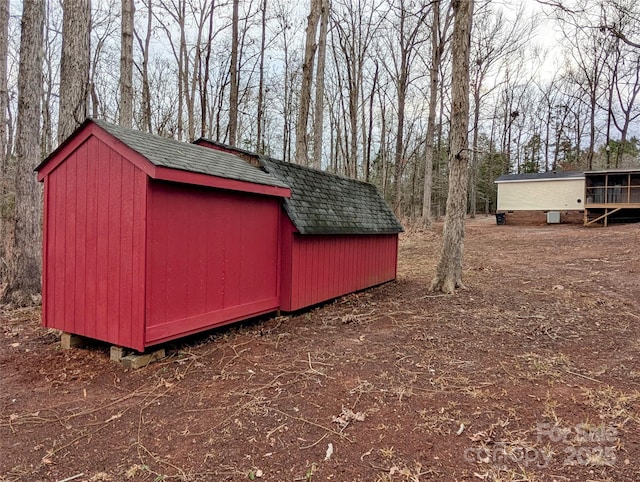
column 286, row 261
column 212, row 258
column 94, row 256
column 322, row 267
column 135, row 262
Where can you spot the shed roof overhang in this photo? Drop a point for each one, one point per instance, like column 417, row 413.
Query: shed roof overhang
column 90, row 128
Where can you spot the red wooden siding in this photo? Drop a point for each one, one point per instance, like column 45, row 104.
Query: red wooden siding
column 94, row 228
column 317, row 268
column 212, row 258
column 136, row 254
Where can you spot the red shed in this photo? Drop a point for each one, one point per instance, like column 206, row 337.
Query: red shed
column 338, row 234
column 148, row 239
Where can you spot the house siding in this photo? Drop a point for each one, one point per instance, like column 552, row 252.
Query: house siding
column 541, row 195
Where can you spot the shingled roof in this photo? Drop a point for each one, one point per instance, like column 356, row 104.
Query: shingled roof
column 541, row 176
column 173, row 154
column 324, row 203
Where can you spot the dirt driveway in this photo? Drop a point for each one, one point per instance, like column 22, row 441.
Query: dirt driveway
column 530, row 373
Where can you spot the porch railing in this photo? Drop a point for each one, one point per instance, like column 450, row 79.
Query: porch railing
column 613, row 195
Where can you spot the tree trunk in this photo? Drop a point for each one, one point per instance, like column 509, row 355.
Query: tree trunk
column 146, row 89
column 233, row 93
column 23, row 250
column 50, row 45
column 305, row 86
column 473, row 177
column 383, row 145
column 367, row 153
column 439, row 140
column 260, row 106
column 190, row 88
column 5, row 148
column 318, row 120
column 352, row 156
column 434, row 72
column 180, row 9
column 126, row 64
column 449, row 270
column 286, row 106
column 399, row 160
column 74, row 66
column 5, row 144
column 204, row 78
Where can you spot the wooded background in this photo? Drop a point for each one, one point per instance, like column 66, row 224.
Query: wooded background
column 357, row 87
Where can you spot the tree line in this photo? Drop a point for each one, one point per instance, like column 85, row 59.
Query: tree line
column 361, row 88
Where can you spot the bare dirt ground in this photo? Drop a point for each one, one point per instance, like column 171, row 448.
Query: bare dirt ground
column 531, row 373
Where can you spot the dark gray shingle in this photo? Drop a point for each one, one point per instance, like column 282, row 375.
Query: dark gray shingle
column 174, row 154
column 324, row 203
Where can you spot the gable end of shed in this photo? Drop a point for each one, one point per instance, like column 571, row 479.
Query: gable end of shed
column 98, row 141
column 94, row 243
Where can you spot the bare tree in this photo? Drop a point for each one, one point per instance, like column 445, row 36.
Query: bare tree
column 318, row 120
column 177, row 11
column 260, row 106
column 355, row 27
column 288, row 30
column 144, row 70
column 495, row 39
column 233, row 93
column 74, row 66
column 103, row 78
column 204, row 73
column 310, row 47
column 587, row 48
column 5, row 145
column 126, row 63
column 51, row 61
column 623, row 75
column 590, row 56
column 403, row 52
column 627, row 91
column 4, row 93
column 439, row 31
column 449, row 270
column 23, row 247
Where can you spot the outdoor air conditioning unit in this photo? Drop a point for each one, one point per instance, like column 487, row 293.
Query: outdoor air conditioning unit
column 553, row 217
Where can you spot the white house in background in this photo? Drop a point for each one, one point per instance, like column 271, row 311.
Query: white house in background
column 544, row 191
column 529, row 197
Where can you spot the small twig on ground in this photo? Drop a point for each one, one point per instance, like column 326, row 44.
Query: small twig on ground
column 73, row 477
column 304, row 420
column 313, row 370
column 274, row 430
column 314, row 443
column 583, row 376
